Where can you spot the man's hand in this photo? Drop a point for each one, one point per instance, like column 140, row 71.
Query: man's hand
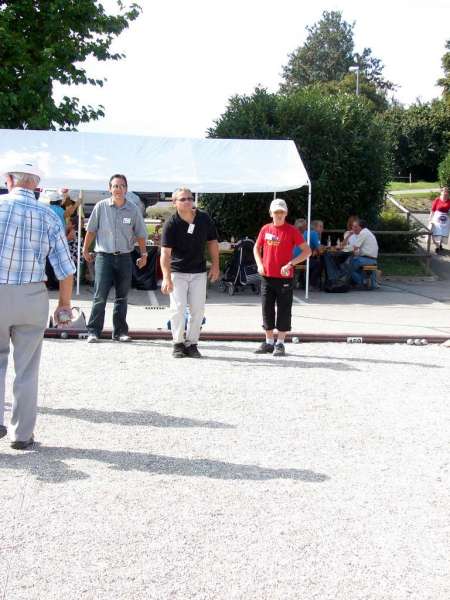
column 62, row 315
column 167, row 286
column 214, row 273
column 88, row 256
column 142, row 261
column 261, row 270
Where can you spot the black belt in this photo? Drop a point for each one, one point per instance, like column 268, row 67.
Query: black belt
column 113, row 253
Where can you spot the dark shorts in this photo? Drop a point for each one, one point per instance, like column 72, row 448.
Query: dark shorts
column 277, row 295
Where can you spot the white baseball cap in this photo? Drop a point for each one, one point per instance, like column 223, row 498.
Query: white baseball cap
column 23, row 167
column 50, row 196
column 278, row 204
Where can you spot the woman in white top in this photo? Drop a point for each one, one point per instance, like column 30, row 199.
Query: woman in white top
column 349, row 236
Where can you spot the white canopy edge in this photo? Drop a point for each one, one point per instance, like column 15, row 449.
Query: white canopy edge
column 79, row 160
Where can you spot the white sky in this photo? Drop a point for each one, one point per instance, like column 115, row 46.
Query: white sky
column 184, row 59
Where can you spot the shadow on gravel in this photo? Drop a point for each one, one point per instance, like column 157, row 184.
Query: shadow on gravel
column 282, row 362
column 138, row 418
column 48, row 465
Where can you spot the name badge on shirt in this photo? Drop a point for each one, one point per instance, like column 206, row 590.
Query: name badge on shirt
column 126, row 221
column 191, row 228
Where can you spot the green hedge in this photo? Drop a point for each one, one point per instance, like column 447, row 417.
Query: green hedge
column 444, row 172
column 389, row 220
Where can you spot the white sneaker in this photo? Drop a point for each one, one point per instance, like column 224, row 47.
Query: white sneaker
column 92, row 338
column 122, row 338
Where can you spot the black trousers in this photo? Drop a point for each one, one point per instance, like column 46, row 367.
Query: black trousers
column 277, row 295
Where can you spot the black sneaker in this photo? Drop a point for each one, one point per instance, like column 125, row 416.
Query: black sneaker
column 18, row 445
column 265, row 348
column 192, row 351
column 279, row 350
column 179, row 350
column 3, row 431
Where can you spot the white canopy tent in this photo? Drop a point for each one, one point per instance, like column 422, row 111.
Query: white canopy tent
column 85, row 161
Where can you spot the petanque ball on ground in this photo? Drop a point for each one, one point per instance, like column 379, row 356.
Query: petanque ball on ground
column 418, row 342
column 295, row 340
column 64, row 335
column 410, row 341
column 424, row 342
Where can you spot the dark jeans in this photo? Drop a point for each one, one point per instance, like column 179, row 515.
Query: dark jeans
column 111, row 271
column 277, row 292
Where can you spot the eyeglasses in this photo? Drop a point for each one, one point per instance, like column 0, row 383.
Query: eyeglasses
column 118, row 185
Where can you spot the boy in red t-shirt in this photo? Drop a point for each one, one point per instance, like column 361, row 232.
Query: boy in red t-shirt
column 273, row 254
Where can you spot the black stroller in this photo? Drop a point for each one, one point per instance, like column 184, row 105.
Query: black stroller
column 241, row 270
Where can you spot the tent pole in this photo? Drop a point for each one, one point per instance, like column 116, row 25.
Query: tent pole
column 80, row 211
column 308, row 237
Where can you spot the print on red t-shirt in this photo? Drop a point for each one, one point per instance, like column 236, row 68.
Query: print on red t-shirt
column 277, row 244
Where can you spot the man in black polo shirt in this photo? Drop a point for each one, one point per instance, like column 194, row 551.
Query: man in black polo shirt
column 183, row 265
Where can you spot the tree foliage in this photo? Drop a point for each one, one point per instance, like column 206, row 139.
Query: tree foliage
column 327, row 55
column 420, row 135
column 444, row 171
column 444, row 82
column 42, row 41
column 341, row 144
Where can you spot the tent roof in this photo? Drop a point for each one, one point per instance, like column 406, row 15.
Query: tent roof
column 86, row 161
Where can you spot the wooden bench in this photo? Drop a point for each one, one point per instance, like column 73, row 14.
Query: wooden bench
column 371, row 275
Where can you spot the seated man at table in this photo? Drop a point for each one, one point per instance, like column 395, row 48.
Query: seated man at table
column 313, row 239
column 365, row 251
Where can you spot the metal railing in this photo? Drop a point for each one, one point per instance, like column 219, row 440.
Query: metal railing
column 422, row 231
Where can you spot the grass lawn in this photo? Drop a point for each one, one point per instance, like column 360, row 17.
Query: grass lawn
column 408, row 267
column 417, row 185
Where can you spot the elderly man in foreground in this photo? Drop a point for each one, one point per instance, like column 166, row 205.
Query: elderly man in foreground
column 365, row 248
column 29, row 232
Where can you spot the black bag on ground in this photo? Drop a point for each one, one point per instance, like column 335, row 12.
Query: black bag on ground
column 337, row 276
column 145, row 278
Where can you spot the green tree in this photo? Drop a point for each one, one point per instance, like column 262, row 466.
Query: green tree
column 444, row 82
column 341, row 143
column 444, row 172
column 420, row 135
column 42, row 41
column 327, row 55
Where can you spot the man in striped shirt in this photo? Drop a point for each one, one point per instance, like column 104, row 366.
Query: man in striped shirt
column 29, row 232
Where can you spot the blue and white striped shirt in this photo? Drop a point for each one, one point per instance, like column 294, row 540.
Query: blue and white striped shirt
column 29, row 232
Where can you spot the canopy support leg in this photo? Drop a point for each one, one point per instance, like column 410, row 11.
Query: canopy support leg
column 308, row 237
column 80, row 213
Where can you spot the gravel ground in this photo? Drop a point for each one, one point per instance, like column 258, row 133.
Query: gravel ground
column 321, row 475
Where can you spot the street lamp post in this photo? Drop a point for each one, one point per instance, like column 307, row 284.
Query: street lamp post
column 355, row 69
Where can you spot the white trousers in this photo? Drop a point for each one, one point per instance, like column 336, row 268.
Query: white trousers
column 189, row 290
column 23, row 318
